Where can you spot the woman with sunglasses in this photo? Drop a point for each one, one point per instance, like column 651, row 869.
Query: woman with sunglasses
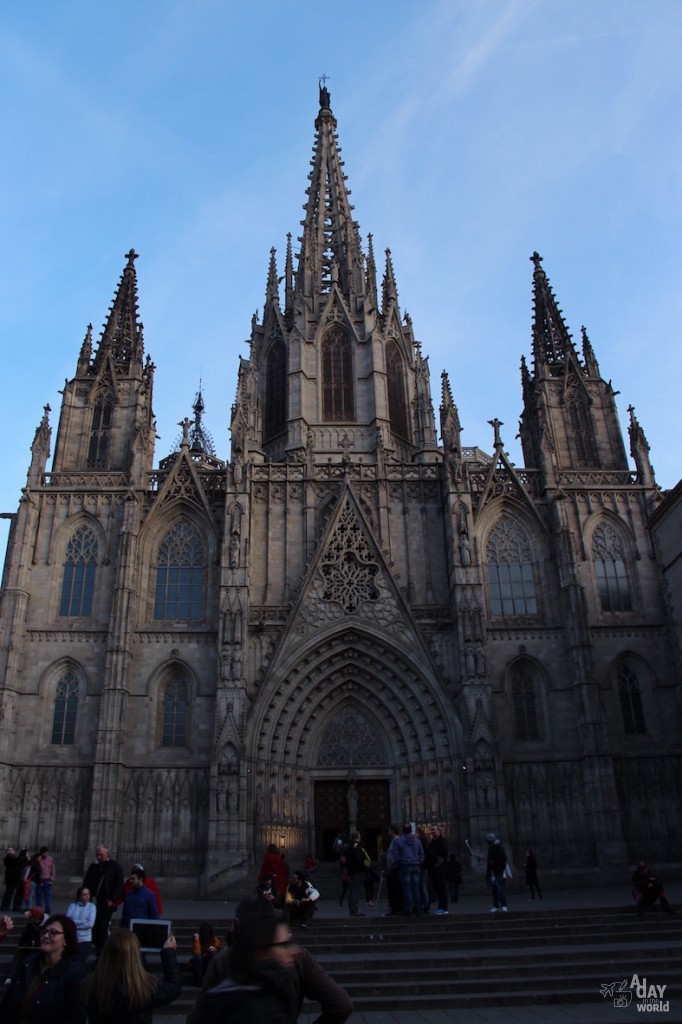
column 47, row 989
column 260, row 988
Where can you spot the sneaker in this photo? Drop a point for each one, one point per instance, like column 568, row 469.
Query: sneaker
column 505, row 909
column 493, row 910
column 438, row 913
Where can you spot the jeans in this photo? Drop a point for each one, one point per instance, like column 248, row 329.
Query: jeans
column 498, row 884
column 410, row 879
column 356, row 886
column 46, row 886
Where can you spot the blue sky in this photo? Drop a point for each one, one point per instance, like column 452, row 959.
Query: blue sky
column 473, row 131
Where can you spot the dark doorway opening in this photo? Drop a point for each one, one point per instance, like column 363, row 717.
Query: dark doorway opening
column 331, row 815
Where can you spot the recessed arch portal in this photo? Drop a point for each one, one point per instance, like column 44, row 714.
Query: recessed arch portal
column 408, row 737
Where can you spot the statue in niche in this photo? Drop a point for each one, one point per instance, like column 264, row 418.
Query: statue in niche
column 434, row 800
column 236, row 521
column 233, row 796
column 274, row 803
column 486, row 796
column 236, row 666
column 464, row 542
column 260, row 804
column 221, row 795
column 406, row 803
column 234, row 552
column 480, row 790
column 421, row 804
column 287, row 803
column 352, row 800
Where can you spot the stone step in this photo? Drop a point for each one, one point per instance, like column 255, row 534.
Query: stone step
column 431, row 963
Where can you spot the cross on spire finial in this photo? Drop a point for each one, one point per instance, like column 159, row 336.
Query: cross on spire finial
column 131, row 257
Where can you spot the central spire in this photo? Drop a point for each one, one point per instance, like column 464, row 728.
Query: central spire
column 330, row 244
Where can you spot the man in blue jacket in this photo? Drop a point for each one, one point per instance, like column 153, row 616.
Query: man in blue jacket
column 410, row 857
column 140, row 901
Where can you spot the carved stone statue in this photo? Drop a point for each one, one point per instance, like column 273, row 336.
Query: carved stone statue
column 352, row 799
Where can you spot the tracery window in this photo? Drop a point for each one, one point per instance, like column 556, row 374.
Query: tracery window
column 175, row 710
column 631, row 704
column 78, row 581
column 581, row 430
column 275, row 413
column 511, row 576
column 65, row 710
column 524, row 701
column 609, row 566
column 337, row 376
column 397, row 408
column 100, row 433
column 180, row 574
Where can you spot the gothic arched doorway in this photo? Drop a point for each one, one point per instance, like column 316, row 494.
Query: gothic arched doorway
column 351, row 743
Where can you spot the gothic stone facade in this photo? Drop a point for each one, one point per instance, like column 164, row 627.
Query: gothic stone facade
column 346, row 623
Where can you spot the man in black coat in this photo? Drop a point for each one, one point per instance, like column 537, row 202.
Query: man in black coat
column 437, row 863
column 104, row 879
column 13, row 887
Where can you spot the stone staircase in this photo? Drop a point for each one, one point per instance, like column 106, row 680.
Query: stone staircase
column 476, row 960
column 473, row 961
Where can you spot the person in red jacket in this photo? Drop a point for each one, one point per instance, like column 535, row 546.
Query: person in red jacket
column 274, row 865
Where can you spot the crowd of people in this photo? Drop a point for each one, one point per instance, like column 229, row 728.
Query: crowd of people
column 48, row 980
column 257, row 973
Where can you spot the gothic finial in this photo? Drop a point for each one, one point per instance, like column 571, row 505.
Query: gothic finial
column 536, row 260
column 131, row 256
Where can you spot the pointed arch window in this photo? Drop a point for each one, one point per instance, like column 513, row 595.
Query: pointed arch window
column 100, row 433
column 275, row 413
column 631, row 705
column 175, row 710
column 180, row 575
column 78, row 581
column 395, row 379
column 337, row 376
column 511, row 574
column 609, row 566
column 582, row 434
column 65, row 710
column 524, row 686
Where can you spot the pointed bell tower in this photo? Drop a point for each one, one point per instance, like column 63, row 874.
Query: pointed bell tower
column 569, row 419
column 106, row 422
column 329, row 369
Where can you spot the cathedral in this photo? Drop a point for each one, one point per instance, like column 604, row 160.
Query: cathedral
column 354, row 619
